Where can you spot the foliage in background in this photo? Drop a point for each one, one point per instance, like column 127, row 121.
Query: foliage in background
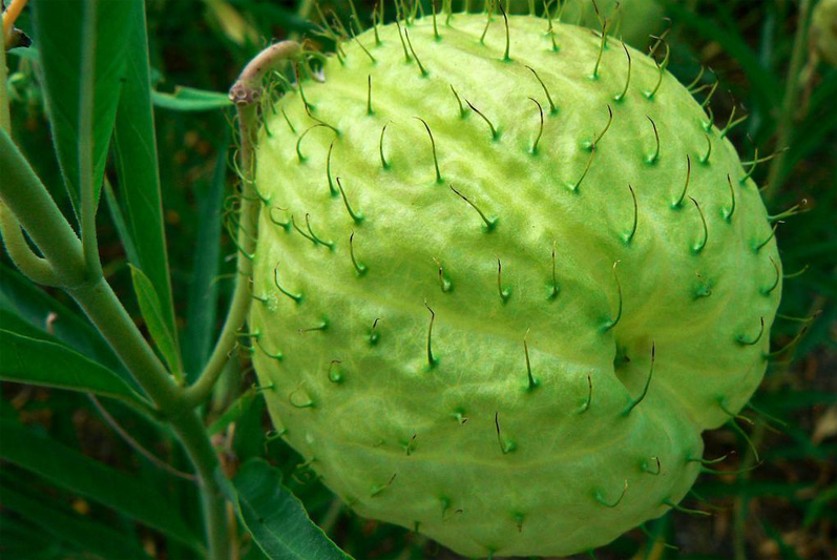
column 100, row 477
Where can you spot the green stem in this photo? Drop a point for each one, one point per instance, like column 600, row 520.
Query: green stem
column 104, row 309
column 21, row 254
column 246, row 94
column 36, row 268
column 24, row 194
column 101, row 305
column 240, row 304
column 192, row 434
column 5, row 116
column 789, row 103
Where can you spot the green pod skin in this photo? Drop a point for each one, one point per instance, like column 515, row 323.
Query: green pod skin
column 447, row 338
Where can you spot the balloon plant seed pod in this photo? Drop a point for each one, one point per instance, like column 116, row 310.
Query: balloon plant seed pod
column 508, row 270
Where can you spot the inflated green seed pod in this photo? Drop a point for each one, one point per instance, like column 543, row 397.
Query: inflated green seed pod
column 506, row 275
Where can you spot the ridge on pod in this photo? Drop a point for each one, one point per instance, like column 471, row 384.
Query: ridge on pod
column 507, row 272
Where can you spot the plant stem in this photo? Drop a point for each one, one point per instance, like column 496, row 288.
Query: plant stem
column 9, row 17
column 789, row 105
column 246, row 93
column 101, row 305
column 192, row 434
column 36, row 268
column 5, row 117
column 24, row 194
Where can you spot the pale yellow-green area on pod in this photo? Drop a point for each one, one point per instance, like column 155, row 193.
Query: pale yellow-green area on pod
column 467, row 353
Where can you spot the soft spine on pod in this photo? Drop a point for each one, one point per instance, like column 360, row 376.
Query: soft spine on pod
column 508, row 270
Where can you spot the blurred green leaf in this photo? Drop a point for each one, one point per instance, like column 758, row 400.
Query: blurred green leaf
column 92, row 537
column 786, row 551
column 201, row 310
column 137, row 169
column 59, row 28
column 765, row 88
column 23, row 539
column 276, row 518
column 28, row 53
column 250, row 438
column 152, row 313
column 824, row 501
column 80, row 474
column 190, row 99
column 24, row 359
column 778, row 403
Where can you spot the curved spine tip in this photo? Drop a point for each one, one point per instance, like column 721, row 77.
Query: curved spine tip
column 621, row 96
column 634, row 402
column 534, row 149
column 297, row 298
column 357, row 217
column 654, row 157
column 495, row 134
column 698, row 247
column 433, row 146
column 600, row 498
column 628, row 237
column 505, row 293
column 744, row 341
column 432, row 361
column 506, row 445
column 610, row 323
column 552, row 108
column 359, row 267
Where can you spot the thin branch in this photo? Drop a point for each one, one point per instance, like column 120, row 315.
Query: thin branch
column 134, row 444
column 245, row 93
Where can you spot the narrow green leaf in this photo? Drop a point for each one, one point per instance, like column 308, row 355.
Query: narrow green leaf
column 201, row 310
column 119, row 223
column 80, row 474
column 24, row 359
column 190, row 99
column 90, row 536
column 137, row 170
column 276, row 518
column 152, row 312
column 239, row 406
column 58, row 36
column 20, row 297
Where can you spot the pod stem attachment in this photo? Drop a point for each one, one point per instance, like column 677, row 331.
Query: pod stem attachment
column 246, row 94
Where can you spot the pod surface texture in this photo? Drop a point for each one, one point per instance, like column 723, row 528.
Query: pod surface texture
column 499, row 297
